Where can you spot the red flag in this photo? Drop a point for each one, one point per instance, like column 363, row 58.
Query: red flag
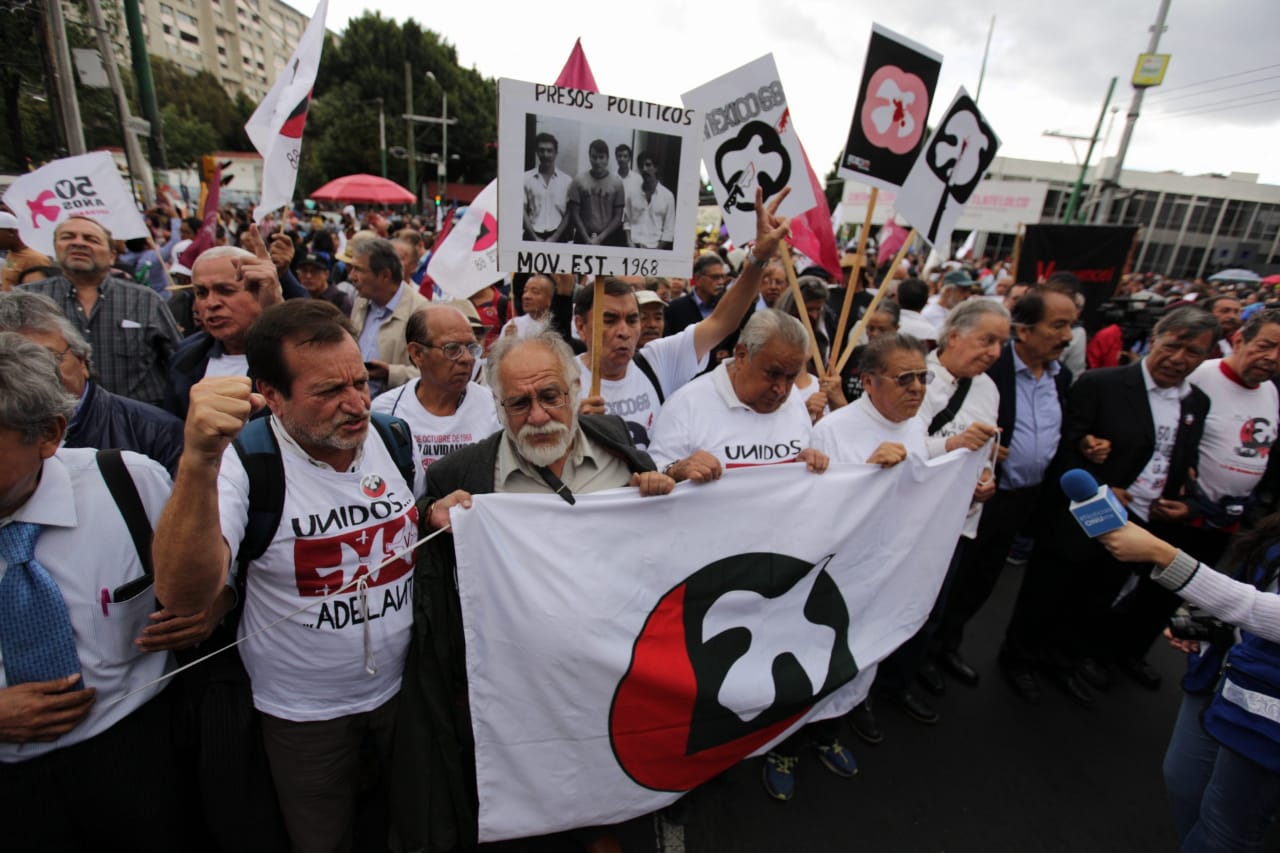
column 207, row 236
column 811, row 233
column 890, row 239
column 576, row 73
column 428, row 285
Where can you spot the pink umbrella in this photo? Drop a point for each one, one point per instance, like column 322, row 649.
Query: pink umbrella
column 364, row 189
column 1272, row 279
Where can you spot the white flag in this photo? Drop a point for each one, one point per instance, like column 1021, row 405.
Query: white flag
column 639, row 652
column 947, row 172
column 467, row 261
column 88, row 185
column 275, row 128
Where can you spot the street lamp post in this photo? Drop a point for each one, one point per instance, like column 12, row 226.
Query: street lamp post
column 382, row 135
column 442, row 166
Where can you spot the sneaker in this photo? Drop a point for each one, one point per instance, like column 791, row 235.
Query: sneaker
column 779, row 776
column 837, row 759
column 863, row 720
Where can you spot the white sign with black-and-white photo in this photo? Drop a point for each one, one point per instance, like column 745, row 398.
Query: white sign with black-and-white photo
column 599, row 184
column 751, row 143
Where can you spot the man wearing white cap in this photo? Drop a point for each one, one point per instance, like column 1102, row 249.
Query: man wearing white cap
column 20, row 257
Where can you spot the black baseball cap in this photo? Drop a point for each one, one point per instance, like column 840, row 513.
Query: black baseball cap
column 311, row 259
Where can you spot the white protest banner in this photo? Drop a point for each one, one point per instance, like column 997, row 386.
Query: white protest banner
column 889, row 117
column 638, row 652
column 89, row 185
column 467, row 260
column 750, row 142
column 996, row 206
column 947, row 172
column 276, row 126
column 560, row 174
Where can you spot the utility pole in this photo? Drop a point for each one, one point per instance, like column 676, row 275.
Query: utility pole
column 68, row 105
column 1112, row 180
column 985, row 53
column 444, row 146
column 138, row 167
column 146, row 85
column 408, row 124
column 1084, row 167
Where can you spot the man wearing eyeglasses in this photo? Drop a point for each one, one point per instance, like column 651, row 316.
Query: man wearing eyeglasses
column 231, row 287
column 443, row 407
column 710, row 275
column 635, row 385
column 544, row 447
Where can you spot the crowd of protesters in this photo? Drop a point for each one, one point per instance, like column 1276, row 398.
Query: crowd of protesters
column 1166, row 392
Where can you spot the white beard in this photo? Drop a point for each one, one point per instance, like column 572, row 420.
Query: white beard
column 542, row 455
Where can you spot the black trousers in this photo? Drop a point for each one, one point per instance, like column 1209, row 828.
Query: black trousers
column 1008, row 511
column 899, row 668
column 120, row 790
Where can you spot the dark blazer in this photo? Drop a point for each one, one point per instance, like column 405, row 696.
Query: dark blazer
column 109, row 421
column 1112, row 403
column 1002, row 373
column 433, row 790
column 681, row 313
column 186, row 368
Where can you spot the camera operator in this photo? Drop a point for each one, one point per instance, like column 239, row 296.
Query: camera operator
column 1222, row 767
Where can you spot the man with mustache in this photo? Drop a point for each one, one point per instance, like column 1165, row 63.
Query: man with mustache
column 545, row 447
column 131, row 329
column 1136, row 429
column 324, row 680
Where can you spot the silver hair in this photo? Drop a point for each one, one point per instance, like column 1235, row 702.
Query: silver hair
column 1186, row 322
column 223, row 252
column 548, row 339
column 967, row 315
column 32, row 396
column 21, row 310
column 769, row 323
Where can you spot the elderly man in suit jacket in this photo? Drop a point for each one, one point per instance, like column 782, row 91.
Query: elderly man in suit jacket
column 381, row 312
column 1136, row 429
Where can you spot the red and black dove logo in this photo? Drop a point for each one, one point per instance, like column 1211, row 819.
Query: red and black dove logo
column 373, row 486
column 321, row 566
column 297, row 119
column 726, row 662
column 488, row 235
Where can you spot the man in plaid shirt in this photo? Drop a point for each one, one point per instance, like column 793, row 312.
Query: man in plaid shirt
column 129, row 326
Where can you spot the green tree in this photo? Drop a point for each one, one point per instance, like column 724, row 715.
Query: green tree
column 186, row 137
column 369, row 63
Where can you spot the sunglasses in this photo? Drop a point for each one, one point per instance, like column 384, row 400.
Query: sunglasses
column 907, row 377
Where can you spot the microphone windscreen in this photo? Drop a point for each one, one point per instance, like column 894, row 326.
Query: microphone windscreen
column 1078, row 484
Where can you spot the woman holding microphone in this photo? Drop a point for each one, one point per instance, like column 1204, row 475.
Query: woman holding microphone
column 1222, row 767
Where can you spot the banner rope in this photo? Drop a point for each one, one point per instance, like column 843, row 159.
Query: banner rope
column 370, row 666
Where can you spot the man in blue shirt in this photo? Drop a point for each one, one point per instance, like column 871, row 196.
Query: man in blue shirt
column 1032, row 385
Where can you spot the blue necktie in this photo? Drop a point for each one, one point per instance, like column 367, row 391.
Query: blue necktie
column 35, row 629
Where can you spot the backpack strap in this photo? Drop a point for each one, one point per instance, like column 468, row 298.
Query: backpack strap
column 125, row 493
column 259, row 453
column 948, row 414
column 395, row 434
column 647, row 369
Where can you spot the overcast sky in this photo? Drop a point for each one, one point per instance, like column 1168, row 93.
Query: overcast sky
column 1049, row 66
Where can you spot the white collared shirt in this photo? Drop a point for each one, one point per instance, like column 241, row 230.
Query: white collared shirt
column 86, row 547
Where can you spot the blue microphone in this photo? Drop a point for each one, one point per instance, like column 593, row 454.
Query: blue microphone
column 1095, row 508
